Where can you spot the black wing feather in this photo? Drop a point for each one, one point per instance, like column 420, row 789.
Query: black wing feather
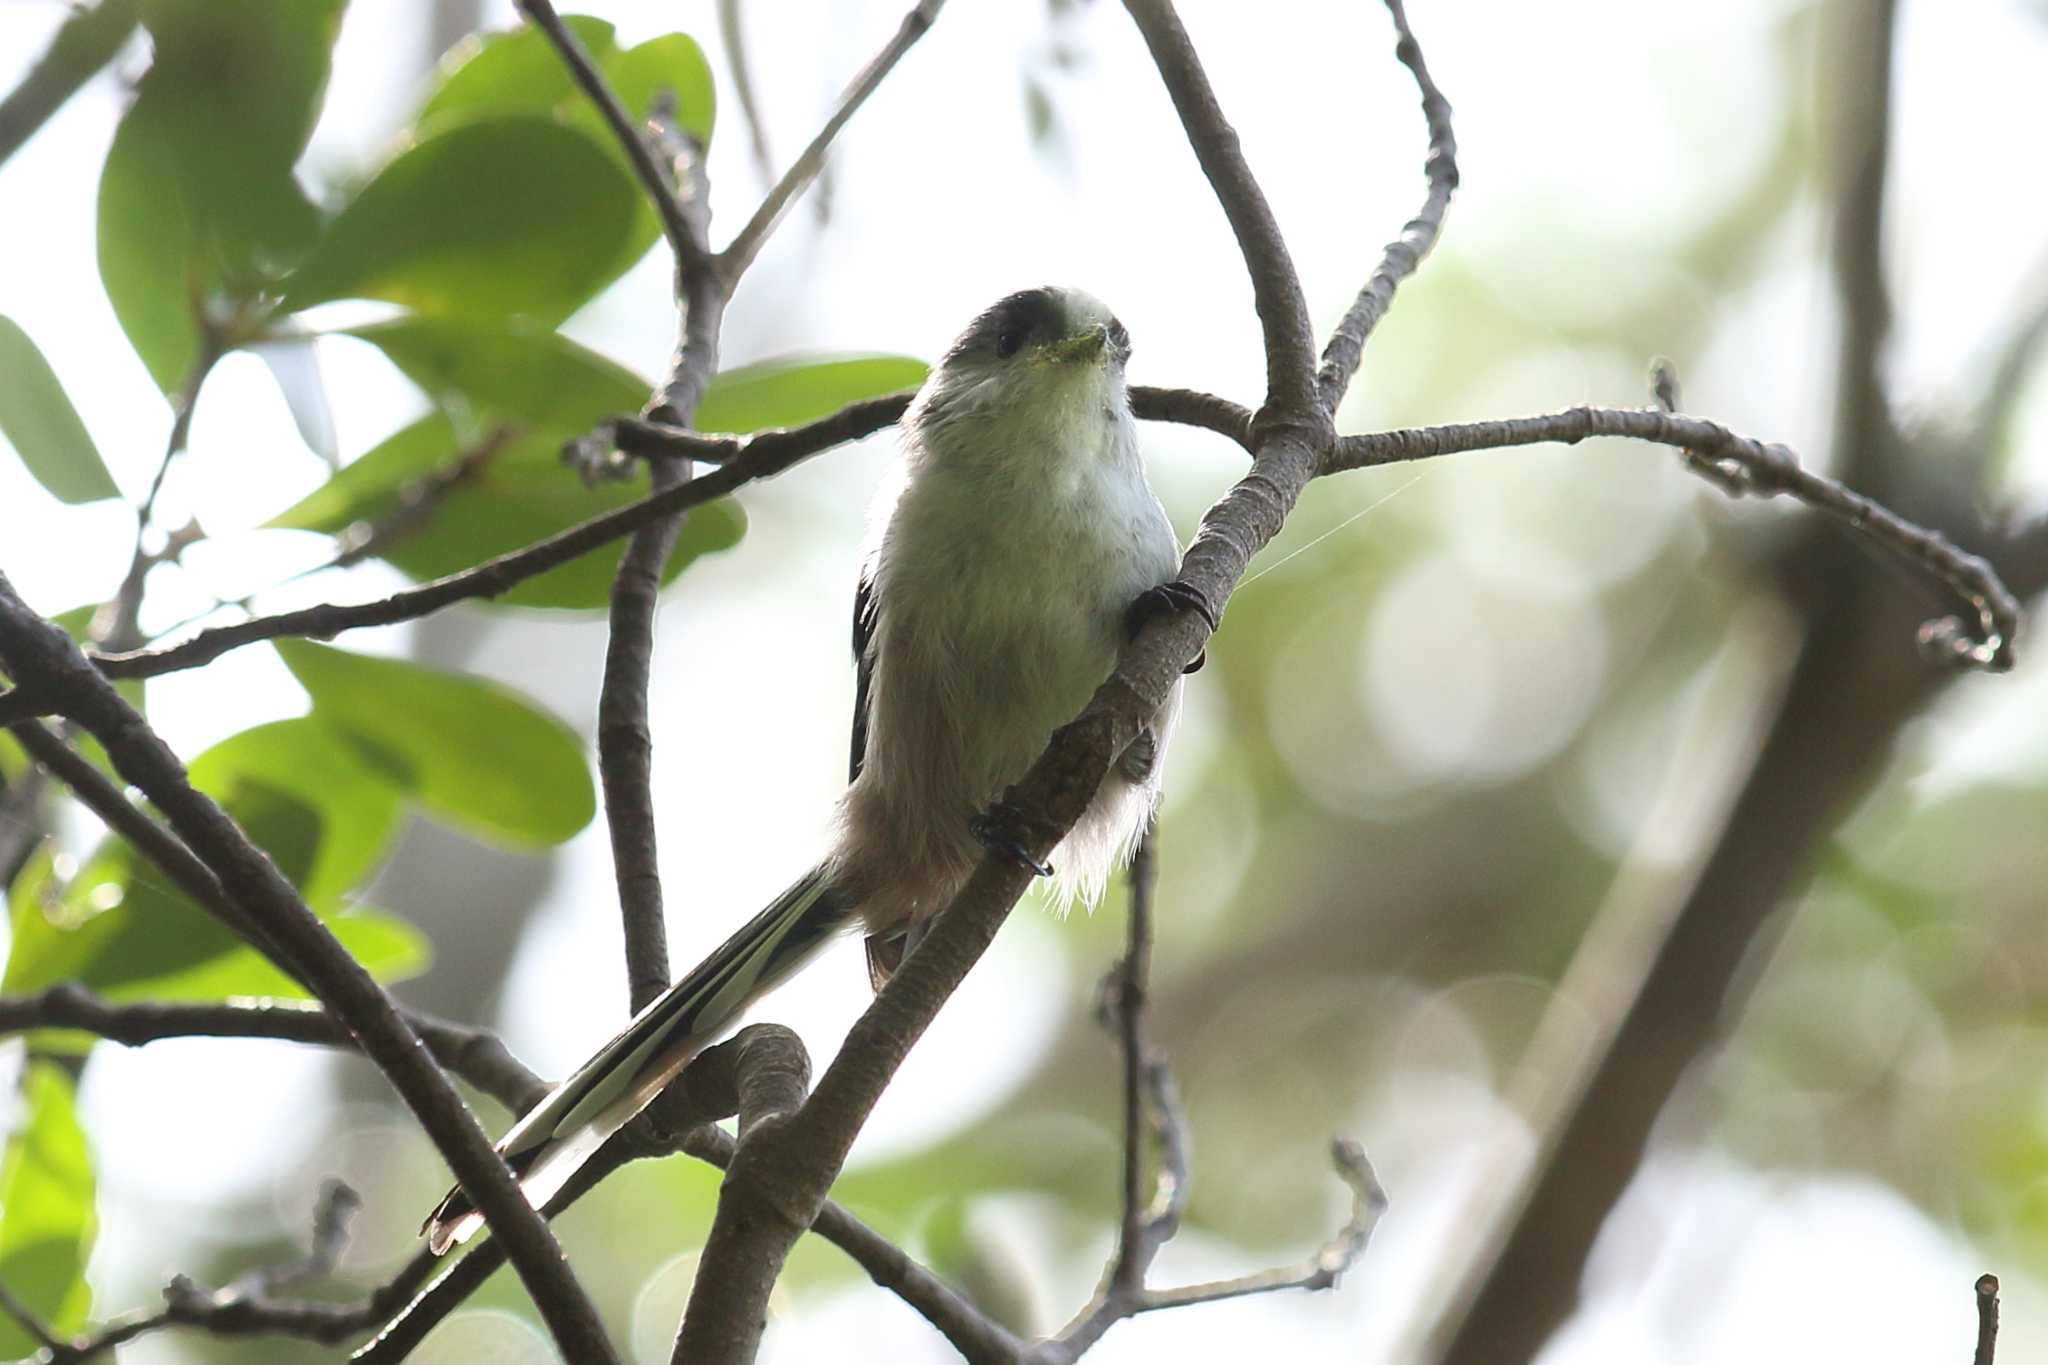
column 865, row 611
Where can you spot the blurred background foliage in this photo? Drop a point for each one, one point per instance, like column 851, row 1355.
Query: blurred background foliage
column 1466, row 726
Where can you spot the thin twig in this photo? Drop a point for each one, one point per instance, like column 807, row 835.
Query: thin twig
column 733, row 35
column 30, row 1322
column 740, row 253
column 744, row 459
column 475, row 1054
column 681, row 1120
column 116, row 624
column 1276, row 288
column 1291, row 437
column 675, row 218
column 250, row 1306
column 43, row 657
column 1987, row 1320
column 90, row 38
column 1321, row 1270
column 1418, row 236
column 762, row 455
column 1742, row 465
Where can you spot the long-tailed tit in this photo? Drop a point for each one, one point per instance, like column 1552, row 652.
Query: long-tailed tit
column 1016, row 547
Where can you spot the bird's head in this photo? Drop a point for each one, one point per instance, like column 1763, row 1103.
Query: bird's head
column 1055, row 352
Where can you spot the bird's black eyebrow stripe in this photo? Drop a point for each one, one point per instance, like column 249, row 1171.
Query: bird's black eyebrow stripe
column 1035, row 311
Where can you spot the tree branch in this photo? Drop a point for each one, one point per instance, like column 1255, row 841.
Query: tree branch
column 30, row 1322
column 744, row 459
column 1276, row 288
column 251, row 1307
column 740, row 253
column 799, row 1159
column 685, row 238
column 732, row 32
column 682, row 1119
column 89, row 39
column 476, row 1055
column 1987, row 1321
column 1737, row 465
column 624, row 734
column 41, row 656
column 1403, row 254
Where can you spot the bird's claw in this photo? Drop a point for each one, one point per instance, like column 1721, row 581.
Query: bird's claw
column 986, row 828
column 1172, row 595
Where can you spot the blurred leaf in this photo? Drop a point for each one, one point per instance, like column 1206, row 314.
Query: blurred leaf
column 120, row 927
column 198, row 210
column 295, row 365
column 793, row 390
column 521, row 495
column 389, row 948
column 501, row 216
column 358, row 806
column 42, row 426
column 47, row 1218
column 304, row 793
column 473, row 752
column 517, row 72
column 508, row 368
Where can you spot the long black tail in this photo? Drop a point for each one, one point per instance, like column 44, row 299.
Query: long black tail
column 564, row 1130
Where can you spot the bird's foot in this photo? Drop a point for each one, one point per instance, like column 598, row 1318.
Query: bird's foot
column 987, row 827
column 1172, row 595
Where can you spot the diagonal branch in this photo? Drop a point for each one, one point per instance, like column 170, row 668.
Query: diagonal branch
column 1418, row 236
column 798, row 1160
column 744, row 459
column 685, row 238
column 1276, row 288
column 89, row 39
column 681, row 1120
column 42, row 657
column 732, row 33
column 740, row 253
column 31, row 1322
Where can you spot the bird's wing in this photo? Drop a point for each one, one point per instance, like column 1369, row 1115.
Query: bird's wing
column 865, row 610
column 885, row 950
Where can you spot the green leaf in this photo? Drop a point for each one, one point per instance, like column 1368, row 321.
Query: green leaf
column 674, row 63
column 501, row 216
column 198, row 209
column 47, row 1218
column 389, row 948
column 517, row 71
column 121, row 927
column 792, row 390
column 473, row 752
column 356, row 803
column 307, row 796
column 522, row 494
column 43, row 427
column 508, row 368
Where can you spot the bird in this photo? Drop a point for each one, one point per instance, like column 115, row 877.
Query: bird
column 1015, row 547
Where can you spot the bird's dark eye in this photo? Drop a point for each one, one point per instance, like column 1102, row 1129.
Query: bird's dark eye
column 1009, row 341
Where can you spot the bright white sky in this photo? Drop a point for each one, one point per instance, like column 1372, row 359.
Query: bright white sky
column 1591, row 134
